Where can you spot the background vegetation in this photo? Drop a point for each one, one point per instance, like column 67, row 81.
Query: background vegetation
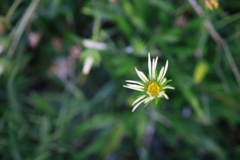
column 50, row 108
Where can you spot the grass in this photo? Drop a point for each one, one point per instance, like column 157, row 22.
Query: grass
column 50, row 109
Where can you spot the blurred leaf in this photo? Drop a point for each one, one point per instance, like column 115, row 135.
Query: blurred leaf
column 124, row 26
column 42, row 105
column 97, row 122
column 119, row 66
column 23, row 23
column 209, row 145
column 141, row 127
column 187, row 92
column 44, row 141
column 11, row 91
column 14, row 148
column 96, row 12
column 227, row 20
column 43, row 156
column 114, row 139
column 200, row 71
column 164, row 5
column 94, row 148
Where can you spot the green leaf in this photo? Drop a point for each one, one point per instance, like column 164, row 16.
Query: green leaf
column 186, row 92
column 42, row 105
column 114, row 140
column 200, row 71
column 161, row 4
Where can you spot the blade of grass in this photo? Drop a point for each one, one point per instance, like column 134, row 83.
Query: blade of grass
column 14, row 149
column 12, row 9
column 22, row 25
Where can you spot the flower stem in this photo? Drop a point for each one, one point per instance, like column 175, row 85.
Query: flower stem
column 96, row 27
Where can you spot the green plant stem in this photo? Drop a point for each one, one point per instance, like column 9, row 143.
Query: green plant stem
column 12, row 9
column 96, row 27
column 225, row 21
column 22, row 25
column 11, row 89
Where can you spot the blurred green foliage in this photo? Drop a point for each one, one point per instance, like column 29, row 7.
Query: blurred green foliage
column 51, row 109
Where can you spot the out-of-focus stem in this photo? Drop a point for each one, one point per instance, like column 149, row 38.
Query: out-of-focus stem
column 96, row 27
column 22, row 25
column 12, row 9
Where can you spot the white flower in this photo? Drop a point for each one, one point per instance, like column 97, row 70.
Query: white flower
column 152, row 87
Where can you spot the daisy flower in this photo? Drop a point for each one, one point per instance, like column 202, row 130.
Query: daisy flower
column 152, row 87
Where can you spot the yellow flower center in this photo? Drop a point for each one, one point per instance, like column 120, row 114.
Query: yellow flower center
column 153, row 88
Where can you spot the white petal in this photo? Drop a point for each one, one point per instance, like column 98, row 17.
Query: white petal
column 149, row 66
column 148, row 99
column 160, row 94
column 165, row 95
column 136, row 82
column 163, row 81
column 154, row 65
column 135, row 107
column 142, row 76
column 137, row 89
column 168, row 87
column 156, row 61
column 138, row 99
column 135, row 86
column 153, row 61
column 149, row 94
column 160, row 74
column 165, row 70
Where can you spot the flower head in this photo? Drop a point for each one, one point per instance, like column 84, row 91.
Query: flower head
column 211, row 4
column 152, row 87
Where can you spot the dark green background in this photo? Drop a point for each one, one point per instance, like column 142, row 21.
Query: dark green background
column 49, row 114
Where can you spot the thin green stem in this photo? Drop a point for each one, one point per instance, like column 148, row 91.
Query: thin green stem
column 228, row 20
column 22, row 25
column 12, row 9
column 96, row 28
